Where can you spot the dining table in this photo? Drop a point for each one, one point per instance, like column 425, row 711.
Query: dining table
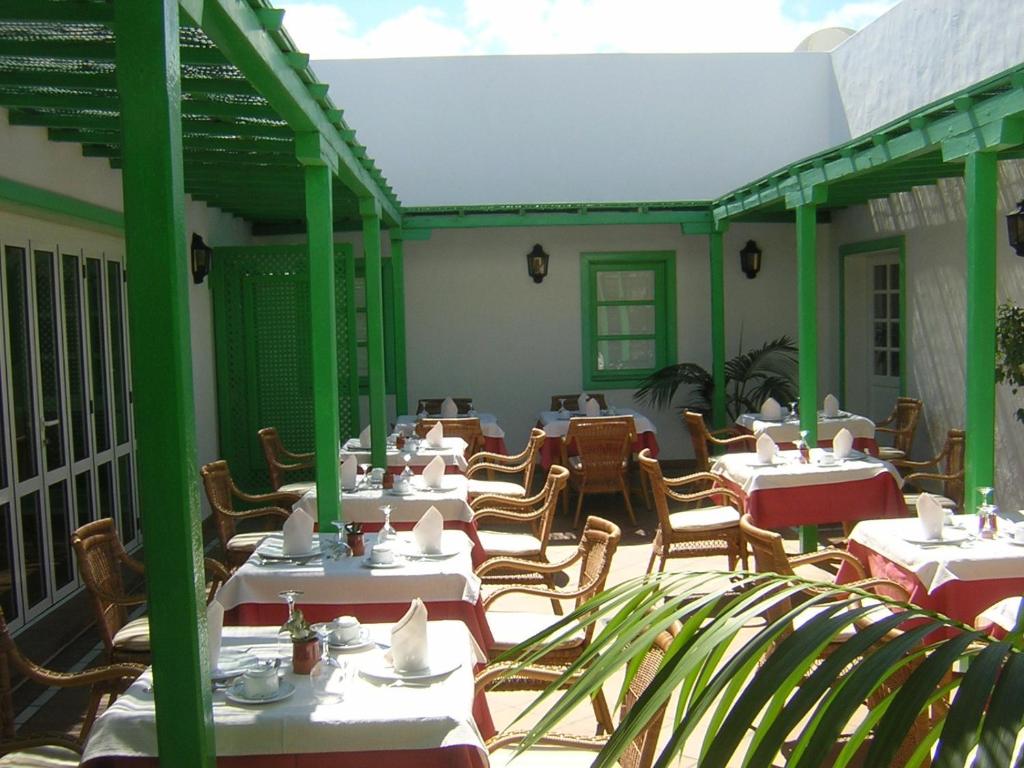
column 1000, row 618
column 352, row 585
column 556, row 425
column 374, row 717
column 788, row 492
column 494, row 435
column 959, row 576
column 452, row 451
column 362, row 504
column 786, row 431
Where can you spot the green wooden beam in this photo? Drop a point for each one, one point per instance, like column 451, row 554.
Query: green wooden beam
column 33, row 10
column 981, row 193
column 16, row 196
column 94, row 50
column 398, row 291
column 99, row 128
column 807, row 317
column 71, row 101
column 374, row 290
column 719, row 415
column 415, row 221
column 222, row 86
column 161, row 361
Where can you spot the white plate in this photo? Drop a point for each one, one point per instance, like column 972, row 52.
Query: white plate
column 444, row 554
column 1016, row 543
column 379, row 669
column 394, row 492
column 367, row 563
column 760, row 464
column 439, row 489
column 432, row 448
column 945, row 541
column 231, row 665
column 354, row 446
column 273, row 549
column 237, row 694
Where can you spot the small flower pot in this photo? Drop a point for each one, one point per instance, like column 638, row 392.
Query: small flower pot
column 305, row 655
column 355, row 543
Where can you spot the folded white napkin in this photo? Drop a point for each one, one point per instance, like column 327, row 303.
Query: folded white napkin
column 435, row 436
column 298, row 533
column 592, row 407
column 931, row 515
column 581, row 401
column 449, row 410
column 409, row 651
column 766, row 448
column 348, row 472
column 842, row 443
column 427, row 532
column 433, row 473
column 831, row 406
column 214, row 628
column 364, row 438
column 771, row 410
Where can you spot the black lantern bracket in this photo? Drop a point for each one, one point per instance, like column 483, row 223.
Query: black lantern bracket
column 750, row 259
column 537, row 263
column 201, row 254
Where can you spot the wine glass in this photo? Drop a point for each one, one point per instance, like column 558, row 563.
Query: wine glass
column 561, row 407
column 471, row 410
column 422, row 413
column 341, row 548
column 365, row 466
column 792, row 410
column 329, row 676
column 284, row 635
column 386, row 532
column 986, row 495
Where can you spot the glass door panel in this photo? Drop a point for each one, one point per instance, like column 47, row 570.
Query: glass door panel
column 52, row 416
column 83, row 499
column 18, row 325
column 126, row 497
column 8, row 572
column 98, row 353
column 74, row 341
column 119, row 367
column 106, row 478
column 60, row 536
column 33, row 543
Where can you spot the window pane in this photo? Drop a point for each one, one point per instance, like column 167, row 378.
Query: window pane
column 359, row 293
column 76, row 358
column 894, row 335
column 894, row 363
column 21, row 373
column 880, row 306
column 625, row 320
column 106, row 477
column 98, row 354
column 879, row 272
column 124, row 494
column 879, row 364
column 625, row 355
column 117, row 353
column 879, row 334
column 60, row 534
column 83, row 499
column 894, row 305
column 894, row 277
column 49, row 359
column 8, row 576
column 32, row 541
column 361, row 326
column 362, row 361
column 625, row 286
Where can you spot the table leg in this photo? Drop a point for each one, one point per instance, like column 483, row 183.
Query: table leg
column 808, row 538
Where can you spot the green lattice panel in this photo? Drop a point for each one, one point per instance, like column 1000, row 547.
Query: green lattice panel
column 262, row 336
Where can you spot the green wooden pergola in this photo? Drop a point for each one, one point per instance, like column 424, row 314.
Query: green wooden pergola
column 211, row 98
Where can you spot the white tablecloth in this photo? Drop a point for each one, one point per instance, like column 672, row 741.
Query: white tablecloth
column 557, row 426
column 744, row 470
column 363, row 506
column 1003, row 614
column 453, row 453
column 934, row 565
column 370, row 717
column 488, row 423
column 347, row 580
column 789, row 431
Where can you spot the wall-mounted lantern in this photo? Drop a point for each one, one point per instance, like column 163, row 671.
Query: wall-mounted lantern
column 1015, row 228
column 201, row 254
column 537, row 263
column 750, row 259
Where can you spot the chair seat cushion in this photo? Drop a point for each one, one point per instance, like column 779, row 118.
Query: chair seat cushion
column 298, row 488
column 499, row 487
column 888, row 454
column 910, row 499
column 510, row 628
column 542, row 756
column 501, row 544
column 47, row 756
column 246, row 542
column 133, row 636
column 704, row 519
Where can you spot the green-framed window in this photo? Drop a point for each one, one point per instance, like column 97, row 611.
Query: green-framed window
column 629, row 316
column 362, row 363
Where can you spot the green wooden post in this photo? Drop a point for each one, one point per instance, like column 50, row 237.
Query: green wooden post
column 369, row 209
column 981, row 177
column 718, row 398
column 149, row 81
column 807, row 302
column 320, row 229
column 398, row 280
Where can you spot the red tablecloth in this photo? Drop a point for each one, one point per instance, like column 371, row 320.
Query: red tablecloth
column 551, row 450
column 448, row 757
column 495, row 445
column 876, row 497
column 960, row 600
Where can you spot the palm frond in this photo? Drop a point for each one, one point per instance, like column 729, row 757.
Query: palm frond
column 660, row 387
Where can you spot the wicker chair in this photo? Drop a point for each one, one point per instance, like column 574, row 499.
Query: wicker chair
column 695, row 532
column 281, row 461
column 901, row 424
column 102, row 561
column 524, row 463
column 468, row 429
column 536, row 514
column 951, row 459
column 222, row 492
column 574, row 750
column 572, row 402
column 432, row 405
column 52, row 749
column 705, row 440
column 597, row 546
column 604, row 447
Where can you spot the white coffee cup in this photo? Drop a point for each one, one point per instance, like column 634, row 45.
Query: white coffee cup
column 1018, row 533
column 260, row 682
column 382, row 554
column 344, row 630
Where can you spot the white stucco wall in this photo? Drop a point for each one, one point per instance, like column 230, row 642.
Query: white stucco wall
column 537, row 129
column 923, row 50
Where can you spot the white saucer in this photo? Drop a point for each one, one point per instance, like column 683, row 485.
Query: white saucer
column 378, row 669
column 1015, row 542
column 413, row 554
column 367, row 563
column 362, row 641
column 760, row 464
column 273, row 549
column 232, row 666
column 946, row 541
column 237, row 694
column 439, row 489
column 394, row 492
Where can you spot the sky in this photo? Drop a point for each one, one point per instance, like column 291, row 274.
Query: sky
column 351, row 29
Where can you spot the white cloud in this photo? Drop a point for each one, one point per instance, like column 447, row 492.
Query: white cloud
column 567, row 26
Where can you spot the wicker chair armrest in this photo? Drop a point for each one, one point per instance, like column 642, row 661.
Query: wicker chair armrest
column 274, row 498
column 697, row 477
column 875, row 581
column 889, row 430
column 707, row 494
column 104, row 674
column 506, row 739
column 827, row 555
column 890, row 419
column 749, row 440
column 727, row 432
column 309, row 456
column 530, row 566
column 131, row 563
column 505, row 469
column 492, row 513
column 495, row 458
column 497, row 671
column 545, row 592
column 126, row 600
column 246, row 514
column 488, row 500
column 911, row 464
column 49, row 739
column 914, row 476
